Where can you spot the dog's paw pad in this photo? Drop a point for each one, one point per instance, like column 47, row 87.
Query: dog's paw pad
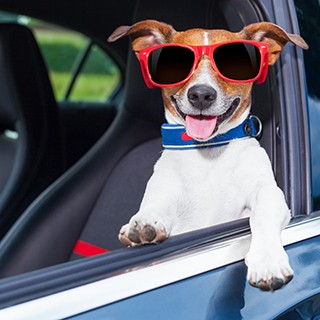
column 135, row 234
column 126, row 239
column 148, row 233
column 271, row 284
column 268, row 271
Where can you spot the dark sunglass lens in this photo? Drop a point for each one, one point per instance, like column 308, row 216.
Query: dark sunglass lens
column 238, row 61
column 170, row 65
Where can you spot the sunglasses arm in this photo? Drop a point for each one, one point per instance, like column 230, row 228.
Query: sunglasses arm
column 264, row 68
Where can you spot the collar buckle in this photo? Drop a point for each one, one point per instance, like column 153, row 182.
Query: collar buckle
column 256, row 122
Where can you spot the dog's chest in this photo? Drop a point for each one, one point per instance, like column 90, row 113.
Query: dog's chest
column 211, row 184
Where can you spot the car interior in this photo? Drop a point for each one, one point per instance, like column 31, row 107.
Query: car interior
column 31, row 161
column 91, row 200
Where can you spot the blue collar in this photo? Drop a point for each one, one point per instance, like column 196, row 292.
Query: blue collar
column 174, row 136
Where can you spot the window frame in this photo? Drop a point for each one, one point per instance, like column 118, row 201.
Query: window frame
column 77, row 67
column 314, row 198
column 294, row 125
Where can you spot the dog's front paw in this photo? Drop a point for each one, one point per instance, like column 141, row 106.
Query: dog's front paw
column 138, row 232
column 268, row 271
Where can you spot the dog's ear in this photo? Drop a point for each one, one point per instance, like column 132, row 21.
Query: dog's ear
column 144, row 34
column 275, row 36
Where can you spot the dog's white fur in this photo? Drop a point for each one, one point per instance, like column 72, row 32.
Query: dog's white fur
column 192, row 189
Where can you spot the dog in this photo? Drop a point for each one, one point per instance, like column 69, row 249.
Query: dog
column 212, row 169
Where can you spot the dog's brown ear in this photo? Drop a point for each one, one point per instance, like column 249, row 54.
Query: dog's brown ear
column 275, row 36
column 144, row 33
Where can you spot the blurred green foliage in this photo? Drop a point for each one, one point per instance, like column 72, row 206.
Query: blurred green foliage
column 62, row 51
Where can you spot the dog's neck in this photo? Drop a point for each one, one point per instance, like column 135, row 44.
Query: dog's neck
column 174, row 136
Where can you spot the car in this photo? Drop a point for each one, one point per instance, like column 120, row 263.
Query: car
column 61, row 257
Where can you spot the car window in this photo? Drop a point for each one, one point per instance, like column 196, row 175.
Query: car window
column 98, row 77
column 78, row 68
column 308, row 13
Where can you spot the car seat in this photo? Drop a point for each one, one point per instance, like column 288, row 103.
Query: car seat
column 30, row 144
column 81, row 213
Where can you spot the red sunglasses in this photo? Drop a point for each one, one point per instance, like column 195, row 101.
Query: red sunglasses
column 239, row 61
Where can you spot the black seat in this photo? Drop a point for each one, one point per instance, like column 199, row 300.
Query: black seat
column 100, row 193
column 30, row 146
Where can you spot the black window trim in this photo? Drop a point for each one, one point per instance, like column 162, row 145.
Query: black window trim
column 77, row 67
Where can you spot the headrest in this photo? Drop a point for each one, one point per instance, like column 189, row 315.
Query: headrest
column 24, row 81
column 142, row 102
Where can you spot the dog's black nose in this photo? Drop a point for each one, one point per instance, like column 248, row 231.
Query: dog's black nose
column 201, row 96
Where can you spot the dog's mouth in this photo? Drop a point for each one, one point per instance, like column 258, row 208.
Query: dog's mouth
column 203, row 127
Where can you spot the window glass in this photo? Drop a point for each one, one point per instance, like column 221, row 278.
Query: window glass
column 78, row 70
column 308, row 13
column 60, row 49
column 97, row 79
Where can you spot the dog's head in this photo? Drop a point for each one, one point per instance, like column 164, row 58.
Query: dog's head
column 207, row 103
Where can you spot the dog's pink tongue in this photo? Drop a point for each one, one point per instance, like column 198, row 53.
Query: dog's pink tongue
column 200, row 127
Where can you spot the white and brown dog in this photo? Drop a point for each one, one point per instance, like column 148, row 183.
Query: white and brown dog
column 206, row 78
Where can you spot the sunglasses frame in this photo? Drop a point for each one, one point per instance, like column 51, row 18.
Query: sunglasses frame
column 198, row 52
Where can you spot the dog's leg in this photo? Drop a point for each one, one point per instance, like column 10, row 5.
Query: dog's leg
column 267, row 261
column 152, row 223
